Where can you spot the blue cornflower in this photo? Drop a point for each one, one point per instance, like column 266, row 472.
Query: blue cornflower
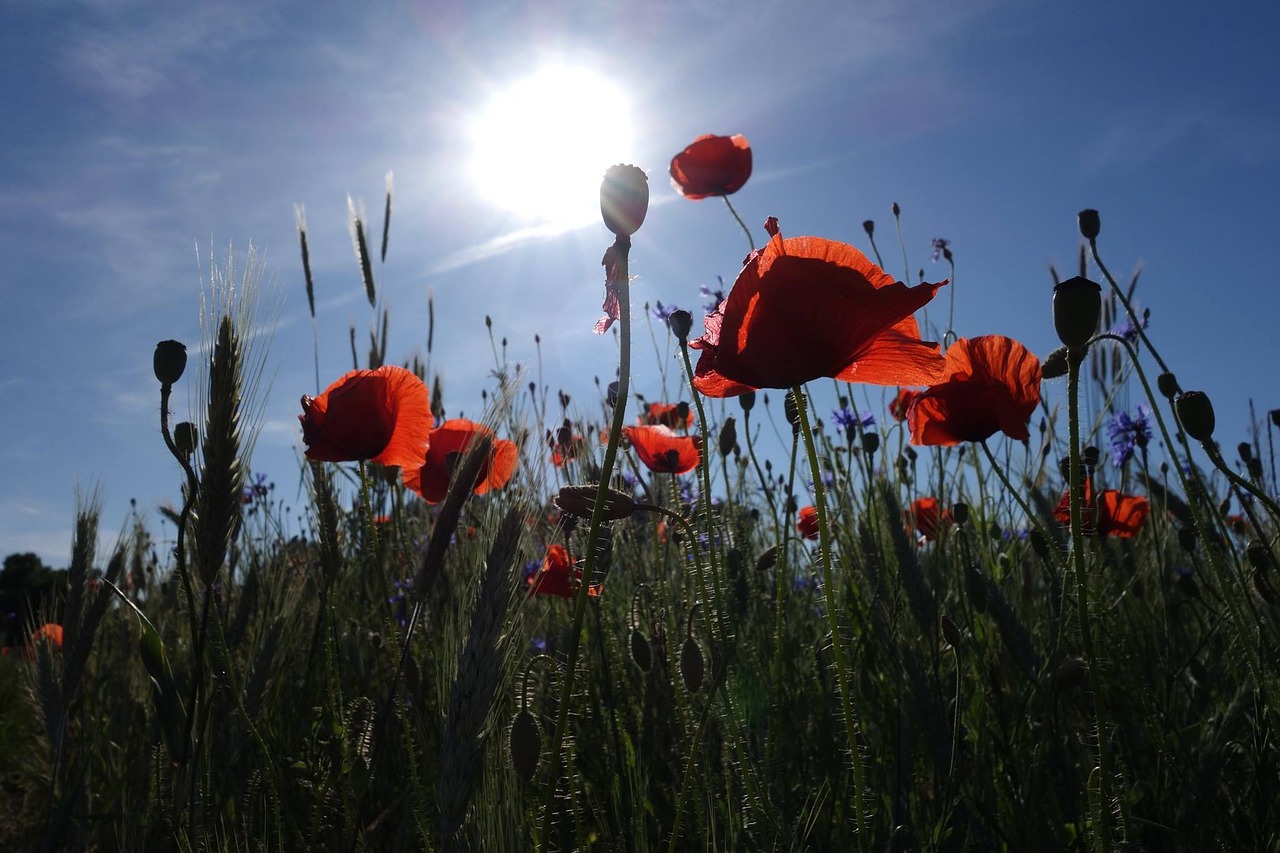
column 688, row 492
column 850, row 420
column 1127, row 329
column 941, row 248
column 401, row 601
column 662, row 312
column 1129, row 433
column 713, row 297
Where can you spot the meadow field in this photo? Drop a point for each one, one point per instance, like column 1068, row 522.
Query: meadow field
column 841, row 580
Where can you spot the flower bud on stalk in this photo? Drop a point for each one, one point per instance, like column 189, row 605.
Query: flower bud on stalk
column 170, row 361
column 624, row 199
column 1195, row 414
column 184, row 438
column 1089, row 224
column 1077, row 306
column 1168, row 385
column 580, row 501
column 680, row 322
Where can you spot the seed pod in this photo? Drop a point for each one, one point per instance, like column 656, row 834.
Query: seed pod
column 1195, row 414
column 692, row 667
column 641, row 653
column 728, row 437
column 185, row 437
column 624, row 199
column 1077, row 307
column 1090, row 224
column 680, row 322
column 169, row 361
column 526, row 745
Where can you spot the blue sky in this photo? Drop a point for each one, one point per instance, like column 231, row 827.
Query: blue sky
column 138, row 134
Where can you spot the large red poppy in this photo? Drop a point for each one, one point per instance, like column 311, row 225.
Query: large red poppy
column 558, row 575
column 712, row 165
column 381, row 415
column 674, row 415
column 807, row 525
column 991, row 384
column 926, row 516
column 1110, row 514
column 804, row 308
column 448, row 443
column 50, row 633
column 661, row 450
column 899, row 405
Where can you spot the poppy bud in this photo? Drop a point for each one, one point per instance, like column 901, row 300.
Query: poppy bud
column 1245, row 449
column 680, row 322
column 692, row 666
column 580, row 501
column 869, row 226
column 728, row 437
column 1195, row 414
column 184, row 438
column 624, row 199
column 768, row 559
column 1054, row 364
column 170, row 361
column 1275, row 417
column 951, row 632
column 960, row 512
column 870, row 442
column 641, row 652
column 1187, row 538
column 1039, row 544
column 1255, row 468
column 896, row 210
column 1089, row 456
column 613, row 394
column 1168, row 385
column 1069, row 674
column 792, row 411
column 747, row 401
column 526, row 745
column 1259, row 556
column 1077, row 305
column 1089, row 224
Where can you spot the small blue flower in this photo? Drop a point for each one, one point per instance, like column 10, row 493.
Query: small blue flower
column 1127, row 329
column 1128, row 434
column 851, row 421
column 712, row 298
column 538, row 645
column 941, row 249
column 662, row 312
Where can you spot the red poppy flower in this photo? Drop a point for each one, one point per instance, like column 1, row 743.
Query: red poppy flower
column 1110, row 514
column 808, row 523
column 991, row 384
column 382, row 415
column 804, row 308
column 558, row 575
column 899, row 405
column 712, row 165
column 448, row 443
column 661, row 450
column 668, row 415
column 924, row 516
column 47, row 633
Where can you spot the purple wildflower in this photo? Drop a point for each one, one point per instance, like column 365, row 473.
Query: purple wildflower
column 1127, row 329
column 941, row 248
column 851, row 421
column 662, row 312
column 712, row 298
column 1128, row 434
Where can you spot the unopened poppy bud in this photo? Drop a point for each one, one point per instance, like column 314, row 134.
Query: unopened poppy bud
column 170, row 361
column 792, row 411
column 747, row 401
column 641, row 652
column 768, row 559
column 1089, row 223
column 1089, row 456
column 692, row 666
column 771, row 226
column 960, row 512
column 1259, row 557
column 1039, row 544
column 624, row 199
column 184, row 438
column 1077, row 306
column 1275, row 417
column 580, row 501
column 680, row 322
column 1187, row 539
column 1168, row 385
column 728, row 437
column 526, row 745
column 870, row 442
column 613, row 394
column 1245, row 449
column 951, row 632
column 869, row 226
column 1069, row 674
column 1195, row 414
column 1054, row 364
column 896, row 210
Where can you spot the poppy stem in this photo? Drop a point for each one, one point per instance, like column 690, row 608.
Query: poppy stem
column 1102, row 814
column 1128, row 307
column 837, row 641
column 1017, row 496
column 745, row 230
column 622, row 250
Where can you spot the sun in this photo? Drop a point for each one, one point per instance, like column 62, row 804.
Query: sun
column 541, row 145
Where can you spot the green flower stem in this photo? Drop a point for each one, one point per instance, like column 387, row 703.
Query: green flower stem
column 1103, row 814
column 781, row 571
column 1017, row 496
column 837, row 642
column 1215, row 456
column 622, row 250
column 745, row 230
column 1124, row 300
column 704, row 471
column 755, row 463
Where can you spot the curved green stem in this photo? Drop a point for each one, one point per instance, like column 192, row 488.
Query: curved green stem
column 745, row 230
column 833, row 621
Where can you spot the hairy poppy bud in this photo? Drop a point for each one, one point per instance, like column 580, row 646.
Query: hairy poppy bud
column 1039, row 544
column 1195, row 414
column 170, row 361
column 624, row 199
column 1077, row 306
column 869, row 226
column 747, row 401
column 960, row 512
column 1089, row 223
column 580, row 501
column 870, row 442
column 184, row 438
column 896, row 210
column 728, row 437
column 526, row 745
column 692, row 666
column 1168, row 385
column 1054, row 364
column 792, row 411
column 1259, row 557
column 680, row 322
column 1245, row 449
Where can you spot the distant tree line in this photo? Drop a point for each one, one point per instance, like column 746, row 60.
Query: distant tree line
column 30, row 594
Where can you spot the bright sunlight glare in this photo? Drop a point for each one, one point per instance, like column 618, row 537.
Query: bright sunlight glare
column 541, row 145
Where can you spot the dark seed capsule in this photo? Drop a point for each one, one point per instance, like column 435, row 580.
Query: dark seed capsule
column 692, row 667
column 526, row 745
column 950, row 632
